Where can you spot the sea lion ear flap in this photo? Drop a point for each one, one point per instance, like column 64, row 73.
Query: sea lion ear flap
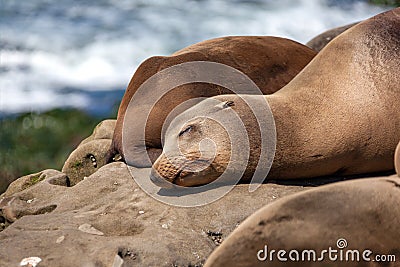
column 228, row 104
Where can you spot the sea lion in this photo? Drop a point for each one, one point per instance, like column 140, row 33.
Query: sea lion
column 271, row 62
column 397, row 159
column 366, row 217
column 339, row 116
column 321, row 40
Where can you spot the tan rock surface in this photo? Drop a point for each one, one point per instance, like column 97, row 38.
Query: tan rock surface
column 106, row 218
column 91, row 153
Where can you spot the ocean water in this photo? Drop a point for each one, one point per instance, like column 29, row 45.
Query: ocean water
column 83, row 53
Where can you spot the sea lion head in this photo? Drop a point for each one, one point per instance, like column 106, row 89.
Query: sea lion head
column 203, row 142
column 194, row 152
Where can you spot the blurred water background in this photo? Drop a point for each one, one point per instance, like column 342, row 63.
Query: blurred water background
column 64, row 65
column 82, row 54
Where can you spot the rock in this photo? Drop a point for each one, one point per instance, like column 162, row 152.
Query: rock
column 91, row 153
column 60, row 239
column 354, row 215
column 86, row 159
column 51, row 176
column 137, row 229
column 87, row 228
column 103, row 130
column 30, row 262
column 27, row 187
column 321, row 40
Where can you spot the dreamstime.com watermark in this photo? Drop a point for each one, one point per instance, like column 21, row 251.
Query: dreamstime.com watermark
column 339, row 253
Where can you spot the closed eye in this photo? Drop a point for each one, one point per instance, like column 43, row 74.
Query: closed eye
column 186, row 130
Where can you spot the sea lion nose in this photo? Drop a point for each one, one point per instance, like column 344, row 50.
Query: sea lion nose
column 156, row 178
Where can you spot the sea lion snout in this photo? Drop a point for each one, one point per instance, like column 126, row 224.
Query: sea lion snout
column 166, row 170
column 181, row 171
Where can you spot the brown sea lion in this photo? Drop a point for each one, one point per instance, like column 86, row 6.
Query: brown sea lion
column 339, row 116
column 353, row 221
column 321, row 40
column 271, row 62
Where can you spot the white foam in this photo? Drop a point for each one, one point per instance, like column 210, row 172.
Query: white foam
column 98, row 46
column 39, row 100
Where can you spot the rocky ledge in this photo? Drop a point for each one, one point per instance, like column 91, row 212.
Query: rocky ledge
column 92, row 214
column 107, row 220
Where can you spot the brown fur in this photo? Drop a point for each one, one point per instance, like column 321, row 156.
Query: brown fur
column 321, row 40
column 363, row 212
column 270, row 62
column 397, row 159
column 339, row 116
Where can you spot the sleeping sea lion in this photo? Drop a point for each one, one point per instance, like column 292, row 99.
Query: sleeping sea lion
column 321, row 40
column 339, row 116
column 353, row 221
column 271, row 62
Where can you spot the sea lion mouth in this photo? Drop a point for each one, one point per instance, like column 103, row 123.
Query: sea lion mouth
column 160, row 181
column 177, row 176
column 193, row 173
column 180, row 177
column 177, row 179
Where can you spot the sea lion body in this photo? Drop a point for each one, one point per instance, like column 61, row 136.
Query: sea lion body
column 397, row 159
column 339, row 116
column 347, row 218
column 320, row 41
column 271, row 62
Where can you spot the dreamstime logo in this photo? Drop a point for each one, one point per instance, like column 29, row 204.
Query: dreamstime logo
column 330, row 254
column 341, row 243
column 153, row 89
